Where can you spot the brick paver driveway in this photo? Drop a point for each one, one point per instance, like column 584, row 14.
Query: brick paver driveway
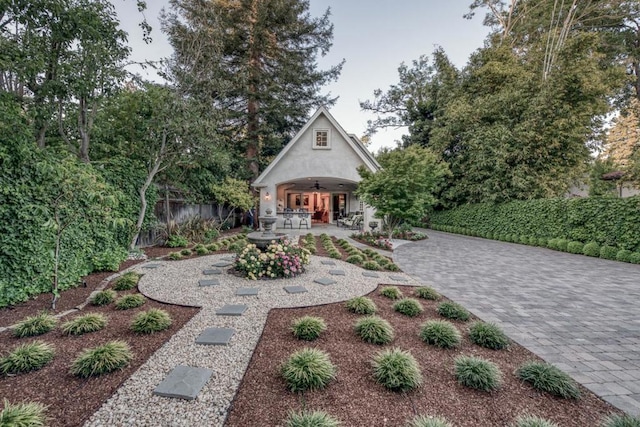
column 580, row 313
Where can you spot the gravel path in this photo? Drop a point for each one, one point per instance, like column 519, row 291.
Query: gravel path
column 177, row 282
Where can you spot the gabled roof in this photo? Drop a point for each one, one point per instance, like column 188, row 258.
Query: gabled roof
column 353, row 141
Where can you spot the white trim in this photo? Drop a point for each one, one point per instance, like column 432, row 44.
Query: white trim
column 314, row 142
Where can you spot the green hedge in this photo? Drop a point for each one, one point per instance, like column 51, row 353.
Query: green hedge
column 34, row 183
column 607, row 221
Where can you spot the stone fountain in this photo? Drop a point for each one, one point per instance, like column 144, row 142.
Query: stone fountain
column 262, row 239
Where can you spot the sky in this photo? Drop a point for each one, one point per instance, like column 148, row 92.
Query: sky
column 374, row 38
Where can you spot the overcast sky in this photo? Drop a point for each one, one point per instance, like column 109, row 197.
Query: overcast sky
column 374, row 38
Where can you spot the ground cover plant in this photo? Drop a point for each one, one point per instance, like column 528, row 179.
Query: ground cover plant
column 374, row 330
column 546, row 377
column 427, row 421
column 427, row 292
column 22, row 415
column 263, row 398
column 396, row 369
column 311, row 419
column 35, row 325
column 478, row 373
column 440, row 333
column 89, row 322
column 391, row 292
column 488, row 335
column 308, row 369
column 27, row 357
column 454, row 311
column 361, row 305
column 408, row 306
column 308, row 328
column 102, row 359
column 150, row 321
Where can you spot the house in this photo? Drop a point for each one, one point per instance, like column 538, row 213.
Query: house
column 316, row 172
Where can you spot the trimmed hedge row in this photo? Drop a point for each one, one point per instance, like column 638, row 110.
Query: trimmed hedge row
column 506, row 223
column 611, row 222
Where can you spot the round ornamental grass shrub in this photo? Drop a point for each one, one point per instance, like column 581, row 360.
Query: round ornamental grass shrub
column 478, row 373
column 428, row 421
column 396, row 370
column 546, row 377
column 185, row 252
column 488, row 335
column 103, row 359
column 22, row 415
column 532, row 421
column 453, row 311
column 175, row 256
column 409, row 307
column 608, row 252
column 361, row 305
column 575, row 247
column 591, row 249
column 562, row 245
column 90, row 322
column 202, row 250
column 440, row 333
column 391, row 292
column 635, row 258
column 104, row 297
column 543, row 242
column 621, row 421
column 130, row 301
column 427, row 292
column 152, row 320
column 374, row 330
column 308, row 369
column 354, row 259
column 311, row 419
column 126, row 282
column 26, row 358
column 308, row 327
column 624, row 255
column 392, row 267
column 35, row 325
column 371, row 265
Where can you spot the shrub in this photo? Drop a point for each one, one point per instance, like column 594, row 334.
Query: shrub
column 185, row 252
column 374, row 330
column 591, row 249
column 126, row 282
column 562, row 245
column 553, row 244
column 335, row 254
column 396, row 370
column 213, row 247
column 546, row 377
column 26, row 358
column 478, row 373
column 103, row 297
column 371, row 265
column 308, row 369
column 35, row 325
column 130, row 301
column 440, row 333
column 176, row 241
column 278, row 260
column 427, row 292
column 355, row 259
column 308, row 328
column 621, row 421
column 635, row 258
column 391, row 292
column 488, row 335
column 454, row 311
column 608, row 252
column 174, row 256
column 361, row 305
column 310, row 419
column 532, row 421
column 152, row 320
column 543, row 241
column 90, row 322
column 624, row 255
column 202, row 250
column 524, row 240
column 103, row 359
column 392, row 267
column 428, row 421
column 408, row 306
column 22, row 415
column 533, row 241
column 575, row 247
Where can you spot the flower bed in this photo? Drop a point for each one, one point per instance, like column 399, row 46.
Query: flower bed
column 279, row 260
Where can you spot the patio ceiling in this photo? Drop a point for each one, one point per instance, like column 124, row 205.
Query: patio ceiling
column 326, row 185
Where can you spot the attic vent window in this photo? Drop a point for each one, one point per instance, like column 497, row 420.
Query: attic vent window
column 321, row 139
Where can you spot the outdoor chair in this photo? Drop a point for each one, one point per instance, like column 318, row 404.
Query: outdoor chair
column 288, row 215
column 342, row 220
column 302, row 214
column 354, row 223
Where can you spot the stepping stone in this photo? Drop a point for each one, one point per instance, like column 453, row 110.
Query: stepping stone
column 295, row 289
column 211, row 282
column 247, row 291
column 211, row 272
column 215, row 336
column 337, row 272
column 222, row 264
column 325, row 281
column 183, row 382
column 398, row 278
column 151, row 265
column 227, row 258
column 327, row 262
column 370, row 274
column 232, row 310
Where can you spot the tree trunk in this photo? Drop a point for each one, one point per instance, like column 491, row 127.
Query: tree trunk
column 56, row 263
column 253, row 143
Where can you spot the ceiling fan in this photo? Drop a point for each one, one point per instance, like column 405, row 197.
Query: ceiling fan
column 317, row 186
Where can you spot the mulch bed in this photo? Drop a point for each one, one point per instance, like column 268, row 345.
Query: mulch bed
column 355, row 399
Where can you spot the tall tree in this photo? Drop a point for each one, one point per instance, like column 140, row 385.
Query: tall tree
column 253, row 61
